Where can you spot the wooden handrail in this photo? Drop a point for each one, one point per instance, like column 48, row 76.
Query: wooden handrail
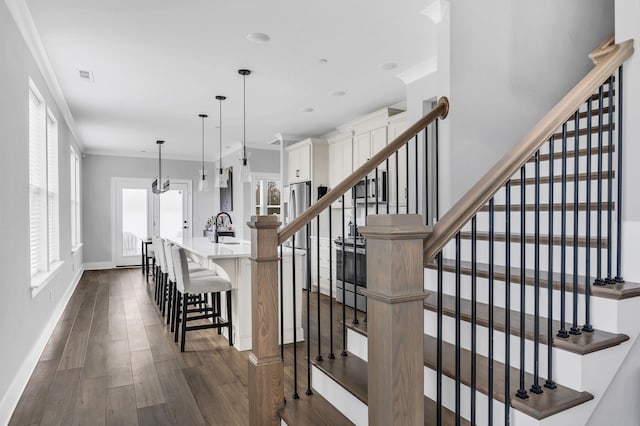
column 439, row 111
column 458, row 215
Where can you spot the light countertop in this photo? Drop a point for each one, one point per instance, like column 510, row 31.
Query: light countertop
column 203, row 247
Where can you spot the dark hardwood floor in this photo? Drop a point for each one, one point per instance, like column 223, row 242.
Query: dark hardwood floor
column 112, row 361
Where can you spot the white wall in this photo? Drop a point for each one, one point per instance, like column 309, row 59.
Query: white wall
column 25, row 321
column 511, row 61
column 96, row 196
column 621, row 400
column 260, row 161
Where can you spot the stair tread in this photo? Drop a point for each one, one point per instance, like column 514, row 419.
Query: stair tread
column 615, row 291
column 581, row 344
column 582, row 131
column 545, row 207
column 314, row 410
column 594, row 112
column 501, row 237
column 581, row 153
column 537, row 406
column 558, row 178
column 351, row 373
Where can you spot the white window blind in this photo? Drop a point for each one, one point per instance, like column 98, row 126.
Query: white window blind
column 53, row 221
column 74, row 161
column 44, row 221
column 37, row 182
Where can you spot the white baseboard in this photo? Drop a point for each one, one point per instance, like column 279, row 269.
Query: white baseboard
column 96, row 266
column 19, row 383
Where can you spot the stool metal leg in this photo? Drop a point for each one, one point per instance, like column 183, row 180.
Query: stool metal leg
column 229, row 316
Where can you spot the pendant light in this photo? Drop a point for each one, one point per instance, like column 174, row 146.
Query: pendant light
column 159, row 186
column 220, row 180
column 245, row 170
column 203, row 185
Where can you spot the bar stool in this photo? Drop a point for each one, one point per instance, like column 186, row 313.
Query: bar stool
column 195, row 269
column 187, row 284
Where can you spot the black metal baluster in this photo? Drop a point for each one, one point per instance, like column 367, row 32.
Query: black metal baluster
column 458, row 337
column 281, row 304
column 344, row 288
column 507, row 306
column 619, row 278
column 563, row 243
column 522, row 392
column 406, row 177
column 377, row 190
column 366, row 215
column 491, row 306
column 609, row 279
column 416, row 168
column 355, row 260
column 397, row 183
column 295, row 325
column 437, row 174
column 575, row 329
column 587, row 281
column 549, row 383
column 388, row 183
column 427, row 221
column 536, row 388
column 331, row 354
column 308, row 391
column 319, row 355
column 599, row 280
column 474, row 316
column 439, row 344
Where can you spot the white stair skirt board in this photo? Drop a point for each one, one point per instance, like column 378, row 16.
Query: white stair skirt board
column 20, row 380
column 343, row 400
column 357, row 344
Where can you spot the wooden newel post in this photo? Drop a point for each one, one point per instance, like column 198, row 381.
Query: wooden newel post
column 395, row 313
column 266, row 384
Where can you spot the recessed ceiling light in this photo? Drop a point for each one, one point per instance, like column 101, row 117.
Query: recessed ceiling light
column 306, row 109
column 388, row 66
column 337, row 93
column 258, row 38
column 323, row 60
column 143, row 150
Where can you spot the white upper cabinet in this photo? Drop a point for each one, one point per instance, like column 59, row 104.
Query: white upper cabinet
column 340, row 161
column 307, row 160
column 299, row 169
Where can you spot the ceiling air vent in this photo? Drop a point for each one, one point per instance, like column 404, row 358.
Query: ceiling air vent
column 86, row 75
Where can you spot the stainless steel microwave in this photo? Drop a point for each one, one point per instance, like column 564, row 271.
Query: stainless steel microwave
column 371, row 190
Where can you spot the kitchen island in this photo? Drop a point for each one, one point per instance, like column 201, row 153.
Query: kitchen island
column 230, row 259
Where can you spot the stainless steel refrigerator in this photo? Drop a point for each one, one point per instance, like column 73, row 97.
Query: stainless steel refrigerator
column 299, row 200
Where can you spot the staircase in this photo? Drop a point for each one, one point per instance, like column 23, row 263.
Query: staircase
column 526, row 314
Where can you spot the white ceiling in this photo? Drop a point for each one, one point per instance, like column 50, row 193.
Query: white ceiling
column 158, row 63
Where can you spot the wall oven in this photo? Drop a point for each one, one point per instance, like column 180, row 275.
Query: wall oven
column 371, row 190
column 351, row 272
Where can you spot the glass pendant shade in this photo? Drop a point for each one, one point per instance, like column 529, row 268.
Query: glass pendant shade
column 245, row 171
column 203, row 183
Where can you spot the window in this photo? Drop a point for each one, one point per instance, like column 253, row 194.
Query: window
column 74, row 162
column 43, row 187
column 267, row 196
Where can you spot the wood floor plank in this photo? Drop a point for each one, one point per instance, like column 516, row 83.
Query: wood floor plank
column 121, row 407
column 118, row 363
column 207, row 395
column 137, row 337
column 95, row 364
column 145, row 379
column 60, row 402
column 75, row 350
column 159, row 343
column 180, row 401
column 155, row 415
column 90, row 402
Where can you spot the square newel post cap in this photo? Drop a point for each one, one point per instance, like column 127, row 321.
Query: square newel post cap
column 262, row 222
column 395, row 227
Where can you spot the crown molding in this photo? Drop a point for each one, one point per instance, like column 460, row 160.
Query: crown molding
column 24, row 21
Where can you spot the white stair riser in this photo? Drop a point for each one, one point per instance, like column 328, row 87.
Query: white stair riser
column 343, row 400
column 599, row 306
column 567, row 366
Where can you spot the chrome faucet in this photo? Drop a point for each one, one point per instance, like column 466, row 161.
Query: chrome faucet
column 218, row 233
